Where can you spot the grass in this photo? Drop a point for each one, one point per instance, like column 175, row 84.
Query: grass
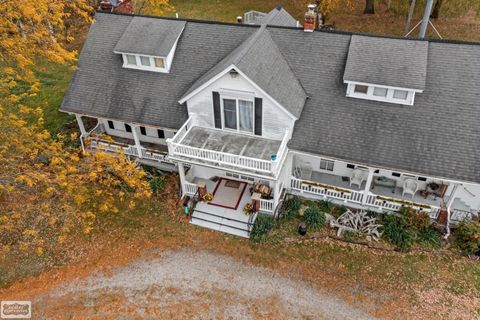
column 54, row 79
column 346, row 18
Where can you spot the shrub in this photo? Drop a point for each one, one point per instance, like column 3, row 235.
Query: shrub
column 325, row 205
column 395, row 232
column 314, row 217
column 430, row 237
column 337, row 211
column 414, row 221
column 262, row 225
column 292, row 205
column 467, row 236
column 157, row 184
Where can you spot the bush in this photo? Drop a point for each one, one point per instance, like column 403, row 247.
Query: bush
column 467, row 236
column 314, row 217
column 262, row 225
column 337, row 211
column 414, row 221
column 350, row 235
column 325, row 205
column 157, row 184
column 395, row 232
column 292, row 205
column 430, row 237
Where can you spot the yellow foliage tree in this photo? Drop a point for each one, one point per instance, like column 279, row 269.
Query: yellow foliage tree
column 327, row 7
column 152, row 7
column 48, row 191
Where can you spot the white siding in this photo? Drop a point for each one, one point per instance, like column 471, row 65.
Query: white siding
column 275, row 120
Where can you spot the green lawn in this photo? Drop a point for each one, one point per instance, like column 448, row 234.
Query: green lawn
column 54, row 79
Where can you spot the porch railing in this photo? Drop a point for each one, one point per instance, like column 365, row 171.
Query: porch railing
column 266, row 205
column 326, row 190
column 460, row 215
column 347, row 195
column 109, row 146
column 190, row 188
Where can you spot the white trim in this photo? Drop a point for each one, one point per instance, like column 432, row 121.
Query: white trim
column 229, row 96
column 381, row 86
column 220, row 74
column 139, row 65
column 387, row 98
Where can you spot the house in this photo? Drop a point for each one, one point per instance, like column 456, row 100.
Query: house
column 251, row 112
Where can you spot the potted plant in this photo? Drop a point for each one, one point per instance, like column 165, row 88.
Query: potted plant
column 207, row 197
column 248, row 209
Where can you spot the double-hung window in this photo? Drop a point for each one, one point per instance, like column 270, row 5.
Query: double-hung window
column 238, row 115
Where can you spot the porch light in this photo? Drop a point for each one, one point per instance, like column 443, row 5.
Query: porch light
column 233, row 73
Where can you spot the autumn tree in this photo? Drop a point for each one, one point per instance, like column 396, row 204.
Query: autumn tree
column 152, row 7
column 327, row 7
column 48, row 191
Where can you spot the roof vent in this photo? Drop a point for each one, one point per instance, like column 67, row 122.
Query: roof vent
column 310, row 19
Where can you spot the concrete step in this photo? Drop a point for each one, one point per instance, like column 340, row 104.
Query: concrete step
column 219, row 223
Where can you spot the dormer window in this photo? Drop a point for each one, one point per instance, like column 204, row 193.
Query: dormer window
column 148, row 45
column 136, row 61
column 381, row 93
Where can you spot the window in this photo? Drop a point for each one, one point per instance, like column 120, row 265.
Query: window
column 350, row 166
column 159, row 62
column 238, row 114
column 422, row 179
column 145, row 61
column 110, row 124
column 380, row 92
column 361, row 89
column 161, row 133
column 128, row 128
column 143, row 131
column 326, row 164
column 396, row 174
column 400, row 94
column 131, row 60
column 230, row 113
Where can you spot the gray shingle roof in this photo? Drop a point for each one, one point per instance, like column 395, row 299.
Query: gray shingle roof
column 101, row 87
column 391, row 62
column 261, row 61
column 149, row 36
column 276, row 17
column 438, row 136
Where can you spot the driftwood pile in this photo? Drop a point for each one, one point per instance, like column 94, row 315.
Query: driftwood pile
column 358, row 222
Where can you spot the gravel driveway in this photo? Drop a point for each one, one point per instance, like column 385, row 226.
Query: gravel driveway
column 192, row 285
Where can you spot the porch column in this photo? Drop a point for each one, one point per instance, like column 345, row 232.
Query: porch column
column 137, row 140
column 80, row 125
column 276, row 194
column 181, row 173
column 366, row 191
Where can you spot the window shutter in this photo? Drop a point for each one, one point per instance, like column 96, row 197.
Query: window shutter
column 216, row 110
column 258, row 116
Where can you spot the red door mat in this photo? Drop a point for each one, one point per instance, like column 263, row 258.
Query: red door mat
column 228, row 193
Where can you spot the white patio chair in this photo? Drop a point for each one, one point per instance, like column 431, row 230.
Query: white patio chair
column 357, row 177
column 410, row 187
column 302, row 171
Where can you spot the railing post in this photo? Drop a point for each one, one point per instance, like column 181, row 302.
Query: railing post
column 366, row 191
column 181, row 173
column 137, row 140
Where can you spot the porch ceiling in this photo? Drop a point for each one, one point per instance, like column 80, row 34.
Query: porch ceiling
column 233, row 143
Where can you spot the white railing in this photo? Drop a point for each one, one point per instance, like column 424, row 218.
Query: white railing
column 347, row 195
column 190, row 188
column 460, row 215
column 182, row 132
column 154, row 155
column 266, row 205
column 109, row 146
column 327, row 191
column 220, row 157
column 281, row 151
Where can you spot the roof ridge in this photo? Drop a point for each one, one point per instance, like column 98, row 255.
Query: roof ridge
column 451, row 41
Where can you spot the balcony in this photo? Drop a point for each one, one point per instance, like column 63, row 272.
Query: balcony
column 226, row 149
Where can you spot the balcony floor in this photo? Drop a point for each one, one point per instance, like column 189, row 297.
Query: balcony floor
column 233, row 143
column 389, row 192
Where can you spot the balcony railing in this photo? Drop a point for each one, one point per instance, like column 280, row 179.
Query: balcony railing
column 357, row 197
column 177, row 149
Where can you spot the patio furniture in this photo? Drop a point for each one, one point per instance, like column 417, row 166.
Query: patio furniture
column 384, row 182
column 262, row 189
column 410, row 187
column 302, row 171
column 357, row 177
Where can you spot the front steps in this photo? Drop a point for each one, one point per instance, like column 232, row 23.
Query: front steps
column 220, row 223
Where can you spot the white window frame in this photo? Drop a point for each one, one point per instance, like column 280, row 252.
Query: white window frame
column 236, row 98
column 388, row 98
column 328, row 162
column 139, row 65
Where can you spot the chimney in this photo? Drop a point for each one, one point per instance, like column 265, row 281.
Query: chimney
column 239, row 19
column 310, row 19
